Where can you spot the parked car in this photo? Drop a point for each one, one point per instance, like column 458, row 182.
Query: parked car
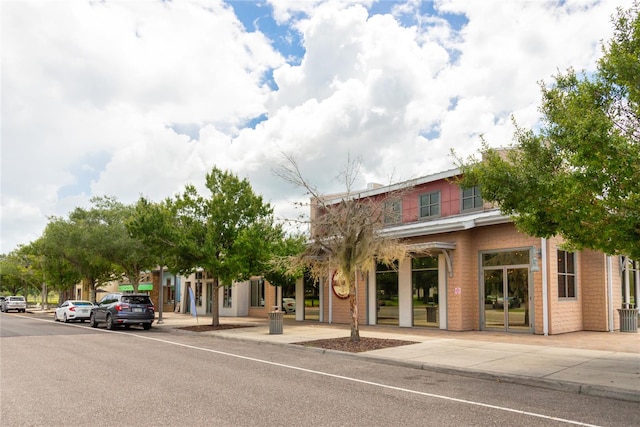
column 14, row 302
column 513, row 302
column 73, row 310
column 123, row 310
column 288, row 305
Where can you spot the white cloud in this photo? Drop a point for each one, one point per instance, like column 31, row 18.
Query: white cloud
column 139, row 98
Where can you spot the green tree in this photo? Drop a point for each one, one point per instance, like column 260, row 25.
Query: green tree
column 18, row 274
column 75, row 241
column 345, row 233
column 579, row 176
column 127, row 253
column 59, row 275
column 279, row 272
column 230, row 233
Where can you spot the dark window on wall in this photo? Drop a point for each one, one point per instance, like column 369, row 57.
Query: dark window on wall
column 257, row 293
column 633, row 267
column 226, row 296
column 566, row 274
column 392, row 212
column 198, row 293
column 471, row 198
column 425, row 280
column 429, row 205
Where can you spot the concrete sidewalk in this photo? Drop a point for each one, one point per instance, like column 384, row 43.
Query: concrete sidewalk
column 595, row 363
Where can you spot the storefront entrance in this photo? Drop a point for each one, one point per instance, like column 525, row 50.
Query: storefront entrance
column 505, row 284
column 424, row 277
column 387, row 295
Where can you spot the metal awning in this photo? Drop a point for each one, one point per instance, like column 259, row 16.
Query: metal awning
column 145, row 286
column 125, row 288
column 430, row 247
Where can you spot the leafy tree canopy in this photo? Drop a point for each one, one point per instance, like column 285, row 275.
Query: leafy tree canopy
column 579, row 176
column 20, row 272
column 345, row 236
column 230, row 232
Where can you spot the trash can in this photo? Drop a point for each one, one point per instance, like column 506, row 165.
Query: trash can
column 432, row 314
column 628, row 319
column 275, row 321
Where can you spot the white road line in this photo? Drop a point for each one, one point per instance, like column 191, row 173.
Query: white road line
column 342, row 377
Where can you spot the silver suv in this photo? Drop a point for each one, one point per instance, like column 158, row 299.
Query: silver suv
column 14, row 302
column 123, row 310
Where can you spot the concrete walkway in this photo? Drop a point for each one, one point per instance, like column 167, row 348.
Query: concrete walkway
column 596, row 363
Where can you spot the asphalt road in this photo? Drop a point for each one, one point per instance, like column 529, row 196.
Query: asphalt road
column 70, row 374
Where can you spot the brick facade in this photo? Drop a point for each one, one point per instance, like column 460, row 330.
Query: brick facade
column 470, row 234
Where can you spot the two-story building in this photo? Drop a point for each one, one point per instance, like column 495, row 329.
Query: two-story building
column 469, row 268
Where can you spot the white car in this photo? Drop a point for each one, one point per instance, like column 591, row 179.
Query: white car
column 14, row 302
column 288, row 305
column 73, row 310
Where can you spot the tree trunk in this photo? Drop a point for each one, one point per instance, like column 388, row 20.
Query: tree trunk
column 353, row 309
column 215, row 310
column 91, row 284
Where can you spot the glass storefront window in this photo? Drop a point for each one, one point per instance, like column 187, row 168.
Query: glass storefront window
column 387, row 295
column 424, row 277
column 519, row 257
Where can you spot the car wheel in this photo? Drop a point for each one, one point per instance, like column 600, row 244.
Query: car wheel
column 127, row 326
column 110, row 324
column 65, row 318
column 146, row 326
column 55, row 317
column 92, row 321
column 81, row 320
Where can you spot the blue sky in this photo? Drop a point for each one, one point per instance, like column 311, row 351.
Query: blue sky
column 257, row 16
column 126, row 99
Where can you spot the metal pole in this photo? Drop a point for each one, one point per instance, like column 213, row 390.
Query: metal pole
column 160, row 295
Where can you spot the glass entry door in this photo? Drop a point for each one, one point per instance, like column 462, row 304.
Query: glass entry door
column 387, row 296
column 506, row 298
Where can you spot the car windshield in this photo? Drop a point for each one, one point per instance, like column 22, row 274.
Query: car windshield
column 81, row 303
column 16, row 298
column 136, row 299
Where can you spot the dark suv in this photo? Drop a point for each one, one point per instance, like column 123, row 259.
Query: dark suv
column 123, row 309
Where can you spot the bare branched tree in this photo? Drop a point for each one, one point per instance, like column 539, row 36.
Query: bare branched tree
column 344, row 237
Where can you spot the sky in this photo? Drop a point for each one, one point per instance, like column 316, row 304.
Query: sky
column 139, row 98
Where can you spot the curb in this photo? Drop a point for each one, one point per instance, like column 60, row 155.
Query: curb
column 562, row 386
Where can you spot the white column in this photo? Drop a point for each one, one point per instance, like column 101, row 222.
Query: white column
column 405, row 293
column 443, row 277
column 322, row 301
column 637, row 293
column 300, row 299
column 626, row 277
column 372, row 304
column 610, row 291
column 330, row 297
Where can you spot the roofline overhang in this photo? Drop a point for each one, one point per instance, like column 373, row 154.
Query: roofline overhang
column 446, row 225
